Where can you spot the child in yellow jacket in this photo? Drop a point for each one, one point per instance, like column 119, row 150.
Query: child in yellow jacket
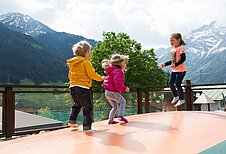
column 81, row 73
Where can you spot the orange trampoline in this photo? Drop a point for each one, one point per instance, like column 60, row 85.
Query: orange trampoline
column 179, row 132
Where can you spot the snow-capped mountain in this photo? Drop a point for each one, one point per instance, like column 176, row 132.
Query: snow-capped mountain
column 206, row 54
column 21, row 35
column 24, row 24
column 205, row 49
column 56, row 41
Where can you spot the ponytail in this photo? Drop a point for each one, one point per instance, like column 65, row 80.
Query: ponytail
column 178, row 36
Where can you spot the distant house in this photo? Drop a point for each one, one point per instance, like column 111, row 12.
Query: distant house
column 26, row 121
column 216, row 94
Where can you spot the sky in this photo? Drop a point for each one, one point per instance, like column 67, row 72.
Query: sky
column 149, row 22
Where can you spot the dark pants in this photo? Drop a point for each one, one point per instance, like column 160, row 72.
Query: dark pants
column 82, row 99
column 176, row 80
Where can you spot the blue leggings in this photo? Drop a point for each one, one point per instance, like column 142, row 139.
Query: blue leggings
column 175, row 81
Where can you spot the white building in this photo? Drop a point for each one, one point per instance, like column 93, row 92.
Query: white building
column 215, row 93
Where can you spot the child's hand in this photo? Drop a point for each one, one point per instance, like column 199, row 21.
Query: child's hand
column 103, row 78
column 162, row 65
column 127, row 89
column 173, row 65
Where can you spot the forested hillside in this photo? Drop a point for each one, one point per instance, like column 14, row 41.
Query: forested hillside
column 61, row 43
column 31, row 50
column 23, row 57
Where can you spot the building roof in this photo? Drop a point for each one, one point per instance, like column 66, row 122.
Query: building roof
column 203, row 99
column 27, row 121
column 214, row 94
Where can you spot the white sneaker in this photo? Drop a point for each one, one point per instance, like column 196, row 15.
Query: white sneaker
column 180, row 102
column 72, row 125
column 175, row 99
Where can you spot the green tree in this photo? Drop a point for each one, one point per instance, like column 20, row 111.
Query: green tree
column 142, row 67
column 45, row 113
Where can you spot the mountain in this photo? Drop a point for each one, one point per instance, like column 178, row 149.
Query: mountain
column 59, row 42
column 23, row 57
column 24, row 24
column 24, row 38
column 205, row 52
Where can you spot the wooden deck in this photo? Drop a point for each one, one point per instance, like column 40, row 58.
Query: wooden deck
column 181, row 132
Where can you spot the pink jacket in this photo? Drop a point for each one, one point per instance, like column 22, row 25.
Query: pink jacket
column 115, row 80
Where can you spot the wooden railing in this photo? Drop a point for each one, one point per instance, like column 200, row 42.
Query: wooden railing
column 142, row 101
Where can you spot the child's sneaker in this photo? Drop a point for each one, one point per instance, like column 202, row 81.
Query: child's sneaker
column 180, row 102
column 72, row 125
column 121, row 118
column 175, row 99
column 112, row 122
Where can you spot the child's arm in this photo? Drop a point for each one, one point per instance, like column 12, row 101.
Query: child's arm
column 91, row 72
column 182, row 59
column 166, row 64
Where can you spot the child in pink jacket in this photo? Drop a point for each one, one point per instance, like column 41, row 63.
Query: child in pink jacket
column 114, row 85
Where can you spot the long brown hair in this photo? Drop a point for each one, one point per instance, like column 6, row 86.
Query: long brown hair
column 178, row 36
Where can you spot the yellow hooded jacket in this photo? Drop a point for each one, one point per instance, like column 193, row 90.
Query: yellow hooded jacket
column 81, row 72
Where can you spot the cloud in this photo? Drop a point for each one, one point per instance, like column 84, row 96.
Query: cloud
column 149, row 22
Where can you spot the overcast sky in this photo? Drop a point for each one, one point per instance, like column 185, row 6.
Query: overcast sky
column 149, row 22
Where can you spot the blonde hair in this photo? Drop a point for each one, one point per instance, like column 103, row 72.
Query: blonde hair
column 115, row 60
column 80, row 48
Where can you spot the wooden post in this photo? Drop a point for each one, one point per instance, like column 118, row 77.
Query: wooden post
column 188, row 95
column 147, row 102
column 139, row 101
column 8, row 112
